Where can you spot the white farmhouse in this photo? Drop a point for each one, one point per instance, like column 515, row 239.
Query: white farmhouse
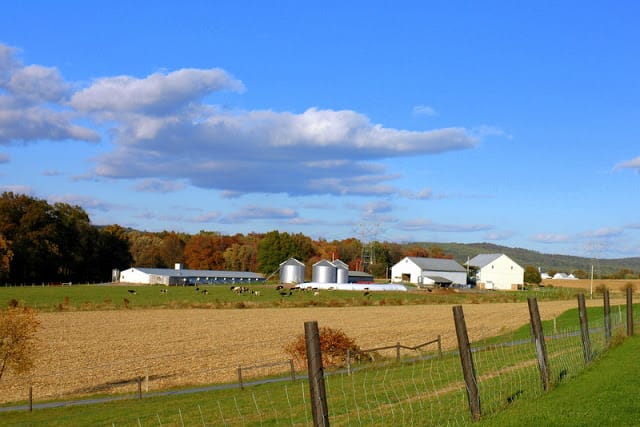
column 497, row 271
column 428, row 271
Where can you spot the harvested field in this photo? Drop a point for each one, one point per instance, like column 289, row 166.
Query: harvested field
column 105, row 351
column 618, row 285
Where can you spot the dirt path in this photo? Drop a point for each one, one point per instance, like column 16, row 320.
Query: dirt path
column 88, row 352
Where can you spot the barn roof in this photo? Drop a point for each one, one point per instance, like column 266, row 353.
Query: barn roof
column 170, row 272
column 437, row 264
column 483, row 259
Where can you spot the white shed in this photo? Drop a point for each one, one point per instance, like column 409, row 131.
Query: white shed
column 497, row 271
column 427, row 271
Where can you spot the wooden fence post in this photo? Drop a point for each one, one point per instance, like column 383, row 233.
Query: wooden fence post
column 397, row 352
column 293, row 371
column 584, row 329
column 319, row 406
column 538, row 338
column 30, row 398
column 629, row 311
column 348, row 361
column 139, row 388
column 466, row 359
column 240, row 378
column 439, row 346
column 607, row 317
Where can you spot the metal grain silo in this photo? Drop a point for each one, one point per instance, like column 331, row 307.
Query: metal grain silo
column 292, row 271
column 324, row 272
column 342, row 271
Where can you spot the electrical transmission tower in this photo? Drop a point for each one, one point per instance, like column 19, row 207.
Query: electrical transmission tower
column 368, row 234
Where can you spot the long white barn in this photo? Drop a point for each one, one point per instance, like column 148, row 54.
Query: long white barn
column 180, row 276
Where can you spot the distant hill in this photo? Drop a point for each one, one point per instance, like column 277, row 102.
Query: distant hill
column 564, row 263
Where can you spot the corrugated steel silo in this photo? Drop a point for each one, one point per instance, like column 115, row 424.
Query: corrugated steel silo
column 342, row 271
column 292, row 271
column 324, row 272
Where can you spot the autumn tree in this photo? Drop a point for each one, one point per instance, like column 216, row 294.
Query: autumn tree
column 171, row 250
column 6, row 254
column 145, row 249
column 18, row 326
column 243, row 255
column 532, row 275
column 206, row 250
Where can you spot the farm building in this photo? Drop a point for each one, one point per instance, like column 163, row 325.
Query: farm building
column 497, row 271
column 180, row 276
column 428, row 271
column 292, row 271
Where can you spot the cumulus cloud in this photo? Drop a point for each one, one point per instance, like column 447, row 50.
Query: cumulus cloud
column 4, row 158
column 163, row 131
column 32, row 103
column 428, row 225
column 157, row 93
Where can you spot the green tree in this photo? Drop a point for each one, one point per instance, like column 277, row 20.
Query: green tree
column 532, row 275
column 277, row 247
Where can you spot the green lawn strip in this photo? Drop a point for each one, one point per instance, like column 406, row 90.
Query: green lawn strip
column 110, row 297
column 603, row 394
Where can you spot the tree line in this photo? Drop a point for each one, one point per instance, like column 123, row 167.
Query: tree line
column 44, row 243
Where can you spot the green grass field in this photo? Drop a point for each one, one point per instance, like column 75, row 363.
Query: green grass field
column 602, row 395
column 108, row 297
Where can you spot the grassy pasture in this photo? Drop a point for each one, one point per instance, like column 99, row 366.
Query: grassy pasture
column 116, row 297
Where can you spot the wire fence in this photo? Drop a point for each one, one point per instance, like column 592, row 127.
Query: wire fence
column 425, row 387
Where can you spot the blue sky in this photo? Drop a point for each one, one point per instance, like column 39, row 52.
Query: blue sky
column 506, row 122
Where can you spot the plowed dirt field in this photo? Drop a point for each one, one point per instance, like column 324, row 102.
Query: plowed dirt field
column 106, row 351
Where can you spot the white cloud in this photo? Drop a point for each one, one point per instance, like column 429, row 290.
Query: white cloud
column 424, row 110
column 499, row 235
column 158, row 186
column 86, row 202
column 254, row 212
column 212, row 216
column 428, row 225
column 163, row 131
column 18, row 189
column 157, row 93
column 31, row 103
column 4, row 158
column 551, row 238
column 630, row 164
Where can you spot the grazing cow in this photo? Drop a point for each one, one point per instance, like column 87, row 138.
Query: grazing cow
column 205, row 292
column 256, row 293
column 132, row 291
column 163, row 291
column 367, row 293
column 316, row 293
column 279, row 287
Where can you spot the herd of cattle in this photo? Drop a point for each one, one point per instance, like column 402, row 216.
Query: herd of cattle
column 241, row 290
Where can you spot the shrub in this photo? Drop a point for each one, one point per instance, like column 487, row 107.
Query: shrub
column 17, row 339
column 601, row 288
column 333, row 344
